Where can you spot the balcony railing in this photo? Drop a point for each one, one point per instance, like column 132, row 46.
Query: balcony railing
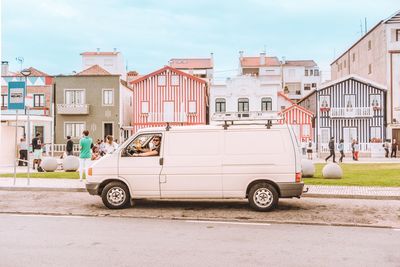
column 72, row 109
column 250, row 115
column 351, row 112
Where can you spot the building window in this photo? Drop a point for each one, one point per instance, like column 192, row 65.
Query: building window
column 354, row 57
column 308, row 103
column 325, row 135
column 375, row 133
column 38, row 100
column 220, row 105
column 174, row 80
column 307, row 86
column 306, row 131
column 369, row 68
column 108, row 97
column 316, row 72
column 4, row 100
column 397, row 35
column 350, row 102
column 324, row 102
column 283, row 107
column 161, row 80
column 192, row 107
column 311, row 73
column 243, row 105
column 73, row 129
column 75, row 97
column 145, row 107
column 306, row 73
column 314, row 85
column 369, row 45
column 375, row 101
column 344, row 64
column 266, row 104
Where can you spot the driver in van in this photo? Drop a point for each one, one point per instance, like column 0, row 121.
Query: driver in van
column 155, row 151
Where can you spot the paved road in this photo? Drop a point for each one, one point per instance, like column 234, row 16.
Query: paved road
column 97, row 241
column 380, row 213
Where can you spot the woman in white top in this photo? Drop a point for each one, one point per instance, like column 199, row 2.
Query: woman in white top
column 110, row 145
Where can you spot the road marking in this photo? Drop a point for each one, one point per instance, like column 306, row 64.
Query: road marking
column 396, row 229
column 46, row 215
column 236, row 223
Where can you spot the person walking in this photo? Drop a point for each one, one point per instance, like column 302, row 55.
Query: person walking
column 110, row 145
column 386, row 146
column 356, row 150
column 85, row 154
column 37, row 151
column 309, row 150
column 352, row 148
column 331, row 146
column 395, row 146
column 23, row 152
column 70, row 146
column 341, row 150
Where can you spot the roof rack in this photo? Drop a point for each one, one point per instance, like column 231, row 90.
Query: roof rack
column 248, row 118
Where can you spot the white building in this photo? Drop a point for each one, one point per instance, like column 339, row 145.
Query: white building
column 113, row 62
column 198, row 67
column 297, row 78
column 243, row 96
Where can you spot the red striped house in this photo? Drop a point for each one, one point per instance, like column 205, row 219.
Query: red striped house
column 301, row 120
column 169, row 95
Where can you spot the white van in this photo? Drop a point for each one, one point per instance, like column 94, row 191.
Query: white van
column 257, row 162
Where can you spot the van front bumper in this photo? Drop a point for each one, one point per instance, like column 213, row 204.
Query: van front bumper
column 93, row 188
column 291, row 189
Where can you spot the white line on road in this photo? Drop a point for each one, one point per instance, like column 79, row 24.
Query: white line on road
column 236, row 223
column 45, row 215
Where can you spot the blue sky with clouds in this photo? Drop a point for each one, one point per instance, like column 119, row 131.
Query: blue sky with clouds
column 50, row 34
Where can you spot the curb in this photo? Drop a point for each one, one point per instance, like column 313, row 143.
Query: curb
column 305, row 195
column 42, row 189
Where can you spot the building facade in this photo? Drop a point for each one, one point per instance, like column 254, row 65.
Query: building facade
column 169, row 96
column 113, row 62
column 199, row 67
column 243, row 97
column 376, row 57
column 301, row 120
column 90, row 100
column 38, row 101
column 348, row 108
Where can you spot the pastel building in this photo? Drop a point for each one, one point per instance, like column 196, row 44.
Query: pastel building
column 199, row 67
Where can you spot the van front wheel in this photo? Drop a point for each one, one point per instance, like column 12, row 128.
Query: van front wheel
column 263, row 197
column 115, row 195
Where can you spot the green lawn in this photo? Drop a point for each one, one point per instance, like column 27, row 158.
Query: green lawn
column 360, row 175
column 353, row 174
column 56, row 175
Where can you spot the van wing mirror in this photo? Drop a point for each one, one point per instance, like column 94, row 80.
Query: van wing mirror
column 161, row 161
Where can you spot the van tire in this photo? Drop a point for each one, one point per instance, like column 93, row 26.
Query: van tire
column 263, row 197
column 115, row 195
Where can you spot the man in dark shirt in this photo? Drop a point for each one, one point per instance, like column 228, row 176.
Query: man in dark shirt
column 37, row 150
column 331, row 146
column 155, row 151
column 70, row 146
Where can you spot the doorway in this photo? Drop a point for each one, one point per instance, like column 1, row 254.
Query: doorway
column 39, row 129
column 108, row 129
column 396, row 135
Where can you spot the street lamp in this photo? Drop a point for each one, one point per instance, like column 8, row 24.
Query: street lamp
column 26, row 73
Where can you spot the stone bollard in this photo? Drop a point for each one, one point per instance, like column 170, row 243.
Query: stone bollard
column 332, row 171
column 49, row 164
column 70, row 163
column 307, row 168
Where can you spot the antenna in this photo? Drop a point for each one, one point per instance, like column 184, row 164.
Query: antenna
column 20, row 60
column 265, row 48
column 365, row 24
column 361, row 27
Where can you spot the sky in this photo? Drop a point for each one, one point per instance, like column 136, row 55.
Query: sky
column 50, row 34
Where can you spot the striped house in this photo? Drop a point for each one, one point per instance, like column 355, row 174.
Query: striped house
column 301, row 120
column 169, row 96
column 349, row 108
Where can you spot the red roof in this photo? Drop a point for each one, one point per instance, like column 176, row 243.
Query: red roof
column 191, row 63
column 94, row 70
column 34, row 73
column 167, row 68
column 99, row 53
column 300, row 63
column 255, row 62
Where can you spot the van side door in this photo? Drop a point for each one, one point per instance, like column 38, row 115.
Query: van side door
column 192, row 164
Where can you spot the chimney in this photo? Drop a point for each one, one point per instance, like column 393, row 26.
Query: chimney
column 262, row 59
column 283, row 60
column 240, row 55
column 115, row 50
column 212, row 59
column 4, row 68
column 98, row 50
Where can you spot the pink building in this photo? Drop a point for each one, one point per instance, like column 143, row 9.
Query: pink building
column 169, row 95
column 301, row 120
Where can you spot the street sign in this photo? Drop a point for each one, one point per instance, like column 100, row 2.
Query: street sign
column 16, row 95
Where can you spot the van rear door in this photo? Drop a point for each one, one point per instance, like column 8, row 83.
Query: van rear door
column 192, row 164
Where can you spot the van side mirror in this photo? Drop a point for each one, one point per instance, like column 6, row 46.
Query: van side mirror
column 161, row 161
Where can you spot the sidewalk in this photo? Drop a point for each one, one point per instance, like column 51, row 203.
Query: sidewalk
column 316, row 191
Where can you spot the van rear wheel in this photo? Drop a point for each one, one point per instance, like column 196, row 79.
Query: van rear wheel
column 263, row 197
column 115, row 195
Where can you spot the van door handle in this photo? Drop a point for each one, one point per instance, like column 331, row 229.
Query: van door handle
column 161, row 161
